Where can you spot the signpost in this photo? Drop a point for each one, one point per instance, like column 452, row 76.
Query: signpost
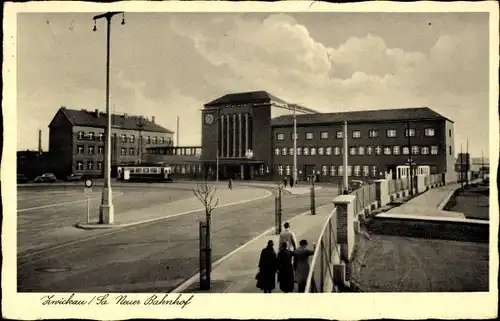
column 88, row 190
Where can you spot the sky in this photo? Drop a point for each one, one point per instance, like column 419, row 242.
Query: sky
column 170, row 64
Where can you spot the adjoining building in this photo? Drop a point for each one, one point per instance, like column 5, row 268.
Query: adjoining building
column 380, row 141
column 76, row 140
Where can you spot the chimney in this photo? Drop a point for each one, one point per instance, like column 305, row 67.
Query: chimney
column 40, row 140
column 97, row 113
column 153, row 119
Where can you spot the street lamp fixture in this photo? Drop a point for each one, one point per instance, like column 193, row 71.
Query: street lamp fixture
column 106, row 210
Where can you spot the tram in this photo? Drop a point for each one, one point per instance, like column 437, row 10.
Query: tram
column 145, row 172
column 404, row 171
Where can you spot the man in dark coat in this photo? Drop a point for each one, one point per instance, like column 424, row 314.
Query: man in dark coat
column 285, row 269
column 267, row 268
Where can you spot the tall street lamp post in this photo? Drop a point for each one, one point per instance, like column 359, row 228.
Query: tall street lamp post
column 106, row 210
column 294, row 145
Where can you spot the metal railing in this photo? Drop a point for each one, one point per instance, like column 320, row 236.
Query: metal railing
column 326, row 254
column 364, row 197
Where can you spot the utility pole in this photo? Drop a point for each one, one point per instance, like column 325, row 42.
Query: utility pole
column 177, row 134
column 106, row 210
column 467, row 163
column 346, row 178
column 461, row 167
column 410, row 160
column 295, row 178
column 482, row 165
column 218, row 142
column 140, row 128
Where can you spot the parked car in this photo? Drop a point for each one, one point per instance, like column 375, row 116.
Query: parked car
column 21, row 179
column 47, row 177
column 74, row 177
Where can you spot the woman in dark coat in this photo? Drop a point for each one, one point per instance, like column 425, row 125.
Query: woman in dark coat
column 285, row 269
column 267, row 269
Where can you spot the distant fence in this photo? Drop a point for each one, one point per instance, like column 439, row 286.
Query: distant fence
column 326, row 255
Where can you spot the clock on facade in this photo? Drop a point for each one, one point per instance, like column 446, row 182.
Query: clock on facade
column 209, row 119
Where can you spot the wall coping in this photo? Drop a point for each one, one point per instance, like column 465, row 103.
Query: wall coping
column 344, row 199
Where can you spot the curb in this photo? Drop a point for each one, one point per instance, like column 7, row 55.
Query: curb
column 91, row 226
column 183, row 286
column 447, row 198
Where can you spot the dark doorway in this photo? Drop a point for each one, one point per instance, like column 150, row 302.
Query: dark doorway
column 307, row 172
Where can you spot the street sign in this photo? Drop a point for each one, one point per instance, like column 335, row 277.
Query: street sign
column 88, row 183
column 87, row 191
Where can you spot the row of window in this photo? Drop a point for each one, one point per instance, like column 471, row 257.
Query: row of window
column 338, row 170
column 91, row 150
column 125, row 138
column 372, row 133
column 359, row 150
column 90, row 165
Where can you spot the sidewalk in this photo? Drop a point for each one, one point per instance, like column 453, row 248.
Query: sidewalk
column 236, row 273
column 428, row 204
column 226, row 197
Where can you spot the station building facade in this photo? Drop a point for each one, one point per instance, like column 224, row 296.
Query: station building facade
column 379, row 141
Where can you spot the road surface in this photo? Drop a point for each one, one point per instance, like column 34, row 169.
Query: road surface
column 149, row 257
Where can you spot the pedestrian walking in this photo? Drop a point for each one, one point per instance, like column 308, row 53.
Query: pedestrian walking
column 301, row 262
column 285, row 269
column 285, row 181
column 266, row 277
column 288, row 237
column 291, row 181
column 230, row 183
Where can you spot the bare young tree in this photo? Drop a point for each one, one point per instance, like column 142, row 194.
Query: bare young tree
column 206, row 193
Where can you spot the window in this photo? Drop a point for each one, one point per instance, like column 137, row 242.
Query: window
column 369, row 150
column 309, row 135
column 450, row 149
column 373, row 133
column 79, row 150
column 81, row 135
column 324, row 135
column 412, row 132
column 287, row 170
column 261, row 170
column 434, row 150
column 91, row 136
column 132, row 138
column 291, row 136
column 100, row 150
column 280, row 136
column 324, row 170
column 328, row 151
column 429, row 132
column 349, row 170
column 169, row 141
column 396, row 150
column 155, row 140
column 406, row 150
column 283, row 151
column 101, row 136
column 333, row 170
column 357, row 170
column 79, row 165
column 123, row 151
column 313, row 151
column 299, row 151
column 131, row 151
column 99, row 165
column 374, row 171
column 366, row 170
column 424, row 150
column 148, row 140
column 277, row 151
column 391, row 133
column 91, row 149
column 280, row 169
column 449, row 132
column 162, row 140
column 290, row 151
column 123, row 138
column 183, row 169
column 90, row 165
column 361, row 150
column 352, row 151
column 306, row 151
column 340, row 134
column 340, row 170
column 387, row 150
column 336, row 150
column 356, row 134
column 378, row 150
column 321, row 151
column 414, row 150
